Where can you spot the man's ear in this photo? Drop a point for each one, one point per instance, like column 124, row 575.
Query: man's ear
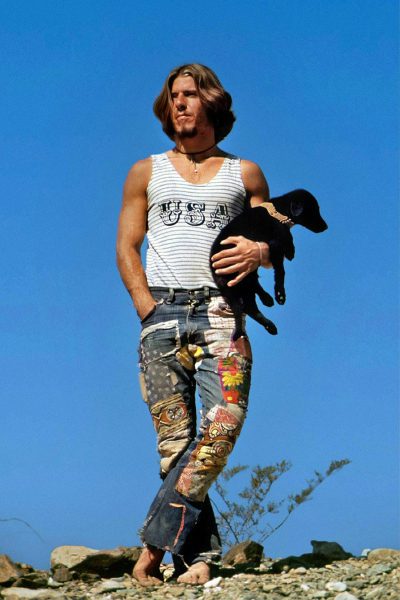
column 296, row 207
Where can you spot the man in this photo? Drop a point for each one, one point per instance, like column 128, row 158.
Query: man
column 181, row 199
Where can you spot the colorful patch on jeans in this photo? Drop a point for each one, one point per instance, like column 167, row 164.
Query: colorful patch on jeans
column 234, row 375
column 210, row 455
column 158, row 345
column 169, row 413
column 189, row 355
column 173, row 424
column 160, row 381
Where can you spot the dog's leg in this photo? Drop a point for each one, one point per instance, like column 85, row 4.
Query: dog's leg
column 280, row 293
column 251, row 309
column 236, row 305
column 277, row 257
column 265, row 298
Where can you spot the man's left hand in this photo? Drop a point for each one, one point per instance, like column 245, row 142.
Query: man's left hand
column 242, row 258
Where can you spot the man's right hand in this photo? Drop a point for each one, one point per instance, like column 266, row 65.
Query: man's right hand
column 131, row 232
column 146, row 309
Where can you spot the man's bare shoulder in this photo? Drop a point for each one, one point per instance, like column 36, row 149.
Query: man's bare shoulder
column 250, row 168
column 140, row 169
column 254, row 182
column 138, row 176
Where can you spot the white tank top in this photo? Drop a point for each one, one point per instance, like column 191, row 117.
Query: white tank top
column 185, row 218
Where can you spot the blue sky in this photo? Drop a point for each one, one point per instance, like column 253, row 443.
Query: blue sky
column 314, row 86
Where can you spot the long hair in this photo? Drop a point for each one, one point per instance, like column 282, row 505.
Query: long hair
column 216, row 100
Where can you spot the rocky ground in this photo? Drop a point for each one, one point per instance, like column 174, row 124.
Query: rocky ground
column 79, row 573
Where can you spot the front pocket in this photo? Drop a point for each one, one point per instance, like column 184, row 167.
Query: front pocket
column 153, row 310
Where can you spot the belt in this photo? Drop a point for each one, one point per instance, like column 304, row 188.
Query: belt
column 205, row 293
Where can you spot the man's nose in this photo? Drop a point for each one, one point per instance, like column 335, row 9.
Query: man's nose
column 180, row 102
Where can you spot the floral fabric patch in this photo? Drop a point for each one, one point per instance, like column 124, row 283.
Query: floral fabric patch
column 234, row 374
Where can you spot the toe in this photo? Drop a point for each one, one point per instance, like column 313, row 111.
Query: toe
column 198, row 574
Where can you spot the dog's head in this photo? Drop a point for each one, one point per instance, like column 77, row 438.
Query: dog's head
column 300, row 207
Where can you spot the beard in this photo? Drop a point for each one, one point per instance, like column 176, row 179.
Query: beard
column 186, row 133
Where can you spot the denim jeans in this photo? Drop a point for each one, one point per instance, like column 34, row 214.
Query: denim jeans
column 185, row 345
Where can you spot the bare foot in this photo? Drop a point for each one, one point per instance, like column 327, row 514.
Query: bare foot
column 196, row 574
column 147, row 569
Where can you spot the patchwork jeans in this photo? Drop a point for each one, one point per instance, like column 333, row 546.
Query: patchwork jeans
column 186, row 345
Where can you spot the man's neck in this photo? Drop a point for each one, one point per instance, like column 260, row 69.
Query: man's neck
column 196, row 145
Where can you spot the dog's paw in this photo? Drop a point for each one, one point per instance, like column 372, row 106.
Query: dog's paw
column 267, row 300
column 271, row 328
column 280, row 296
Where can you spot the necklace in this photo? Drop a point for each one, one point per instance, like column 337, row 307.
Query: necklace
column 192, row 155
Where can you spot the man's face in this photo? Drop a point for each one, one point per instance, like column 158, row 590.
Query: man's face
column 187, row 111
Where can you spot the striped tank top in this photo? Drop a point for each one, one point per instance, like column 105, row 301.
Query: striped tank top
column 185, row 218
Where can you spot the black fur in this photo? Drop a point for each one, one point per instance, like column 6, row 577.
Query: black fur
column 257, row 224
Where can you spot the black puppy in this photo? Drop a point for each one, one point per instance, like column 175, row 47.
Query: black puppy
column 269, row 222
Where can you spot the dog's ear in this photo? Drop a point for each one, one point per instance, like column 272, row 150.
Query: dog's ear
column 296, row 206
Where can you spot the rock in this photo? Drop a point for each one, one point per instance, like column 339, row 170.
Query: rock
column 9, row 571
column 106, row 563
column 20, row 593
column 378, row 569
column 353, row 579
column 331, row 550
column 62, row 574
column 53, row 584
column 167, row 571
column 33, row 580
column 213, row 582
column 294, row 562
column 336, row 586
column 177, row 592
column 108, row 586
column 70, row 556
column 383, row 554
column 268, row 587
column 358, row 584
column 86, row 577
column 378, row 592
column 322, row 554
column 246, row 554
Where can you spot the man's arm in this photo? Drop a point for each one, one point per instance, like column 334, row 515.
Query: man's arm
column 131, row 232
column 246, row 255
